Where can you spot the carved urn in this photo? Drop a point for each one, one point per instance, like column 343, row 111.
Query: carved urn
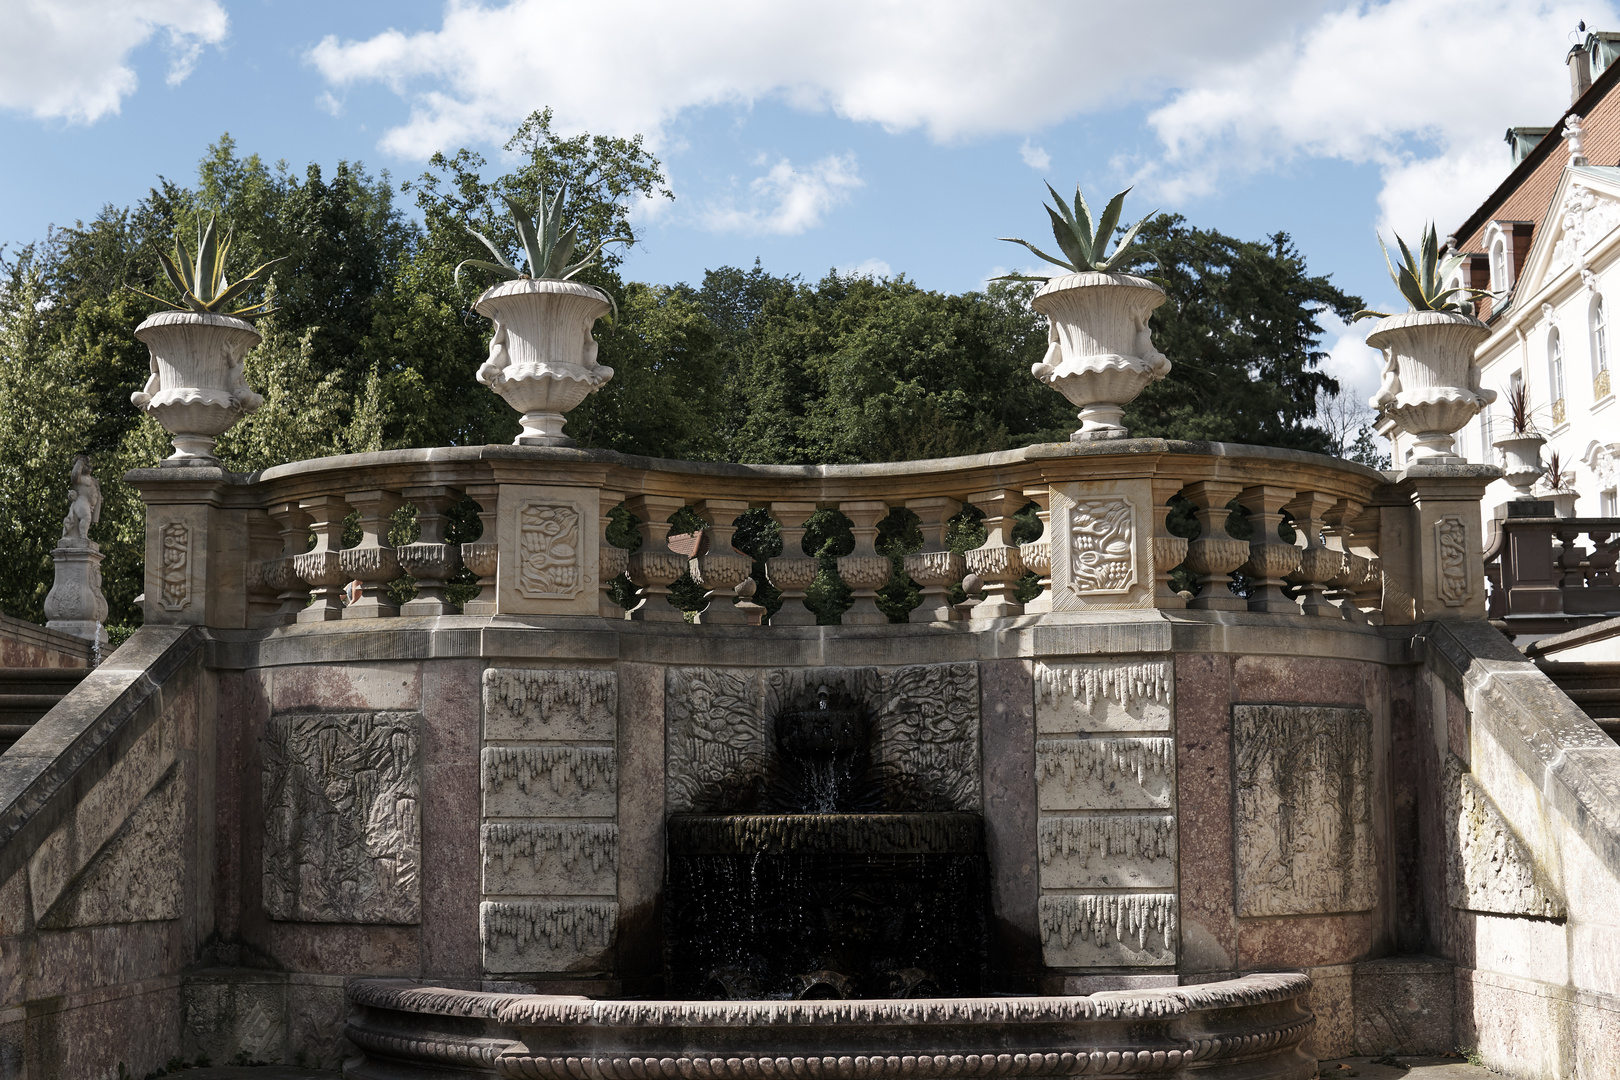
column 1521, row 460
column 542, row 357
column 197, row 387
column 1101, row 353
column 1430, row 385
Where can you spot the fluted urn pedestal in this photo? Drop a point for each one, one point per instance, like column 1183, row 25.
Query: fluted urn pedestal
column 542, row 356
column 197, row 388
column 1101, row 354
column 1430, row 386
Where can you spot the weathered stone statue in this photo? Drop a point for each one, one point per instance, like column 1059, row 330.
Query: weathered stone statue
column 75, row 604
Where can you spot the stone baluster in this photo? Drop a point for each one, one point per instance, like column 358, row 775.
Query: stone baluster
column 996, row 561
column 863, row 569
column 1037, row 554
column 293, row 593
column 1270, row 559
column 1336, row 532
column 372, row 561
column 429, row 559
column 935, row 568
column 653, row 566
column 320, row 566
column 792, row 571
column 1169, row 551
column 1367, row 575
column 264, row 585
column 482, row 556
column 721, row 567
column 1318, row 564
column 611, row 560
column 1570, row 557
column 1602, row 560
column 1215, row 554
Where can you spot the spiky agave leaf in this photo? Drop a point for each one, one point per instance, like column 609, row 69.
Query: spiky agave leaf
column 1084, row 244
column 201, row 282
column 1421, row 278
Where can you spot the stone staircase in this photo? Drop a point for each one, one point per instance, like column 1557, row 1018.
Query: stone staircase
column 1593, row 685
column 26, row 694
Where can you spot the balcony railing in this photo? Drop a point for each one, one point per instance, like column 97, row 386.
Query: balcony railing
column 1549, row 574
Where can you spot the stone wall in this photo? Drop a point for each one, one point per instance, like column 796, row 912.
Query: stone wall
column 28, row 645
column 105, row 890
column 1520, row 858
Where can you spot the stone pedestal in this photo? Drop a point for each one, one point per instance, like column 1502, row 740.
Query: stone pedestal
column 1446, row 571
column 75, row 604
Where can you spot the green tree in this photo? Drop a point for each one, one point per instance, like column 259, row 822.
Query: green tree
column 1241, row 328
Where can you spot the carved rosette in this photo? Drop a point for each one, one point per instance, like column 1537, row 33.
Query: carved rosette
column 935, row 567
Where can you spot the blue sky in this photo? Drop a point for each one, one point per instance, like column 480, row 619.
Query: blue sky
column 881, row 137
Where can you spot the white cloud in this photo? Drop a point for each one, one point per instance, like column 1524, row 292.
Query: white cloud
column 1412, row 86
column 871, row 268
column 1357, row 365
column 956, row 68
column 1035, row 157
column 786, row 201
column 69, row 59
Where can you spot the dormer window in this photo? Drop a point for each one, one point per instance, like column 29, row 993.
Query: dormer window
column 1506, row 243
column 1499, row 264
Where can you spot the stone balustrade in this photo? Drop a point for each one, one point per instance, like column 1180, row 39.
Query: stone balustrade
column 268, row 548
column 1550, row 574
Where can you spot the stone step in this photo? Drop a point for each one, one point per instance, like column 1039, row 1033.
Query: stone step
column 1594, row 686
column 26, row 694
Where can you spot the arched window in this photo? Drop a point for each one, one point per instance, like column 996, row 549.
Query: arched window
column 1555, row 373
column 1499, row 273
column 1600, row 349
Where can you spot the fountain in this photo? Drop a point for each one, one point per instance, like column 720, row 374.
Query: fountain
column 841, row 881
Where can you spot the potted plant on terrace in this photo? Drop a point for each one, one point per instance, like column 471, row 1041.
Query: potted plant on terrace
column 197, row 388
column 1560, row 488
column 1521, row 446
column 1101, row 353
column 1430, row 385
column 542, row 357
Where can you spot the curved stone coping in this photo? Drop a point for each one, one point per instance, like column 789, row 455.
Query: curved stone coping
column 816, row 834
column 1124, row 448
column 1250, row 1027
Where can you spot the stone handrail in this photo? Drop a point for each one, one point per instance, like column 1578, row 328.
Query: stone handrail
column 234, row 549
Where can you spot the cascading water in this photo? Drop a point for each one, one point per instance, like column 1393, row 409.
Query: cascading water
column 837, row 881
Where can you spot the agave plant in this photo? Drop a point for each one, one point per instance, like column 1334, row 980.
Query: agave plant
column 547, row 248
column 1085, row 246
column 202, row 284
column 1422, row 280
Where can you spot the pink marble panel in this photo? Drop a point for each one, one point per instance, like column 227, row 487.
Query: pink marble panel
column 1007, row 717
column 387, row 685
column 1300, row 681
column 641, row 819
column 450, row 862
column 339, row 949
column 1204, row 812
column 1306, row 940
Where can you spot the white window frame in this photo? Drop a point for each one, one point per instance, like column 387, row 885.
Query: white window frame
column 1499, row 247
column 1600, row 335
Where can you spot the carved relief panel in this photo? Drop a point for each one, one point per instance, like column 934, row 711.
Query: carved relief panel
column 543, row 704
column 175, row 566
column 1303, row 778
column 342, row 817
column 548, row 551
column 547, row 935
column 1103, row 696
column 1102, row 552
column 1451, row 561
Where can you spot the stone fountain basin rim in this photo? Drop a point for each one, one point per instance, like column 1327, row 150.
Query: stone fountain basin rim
column 550, row 1010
